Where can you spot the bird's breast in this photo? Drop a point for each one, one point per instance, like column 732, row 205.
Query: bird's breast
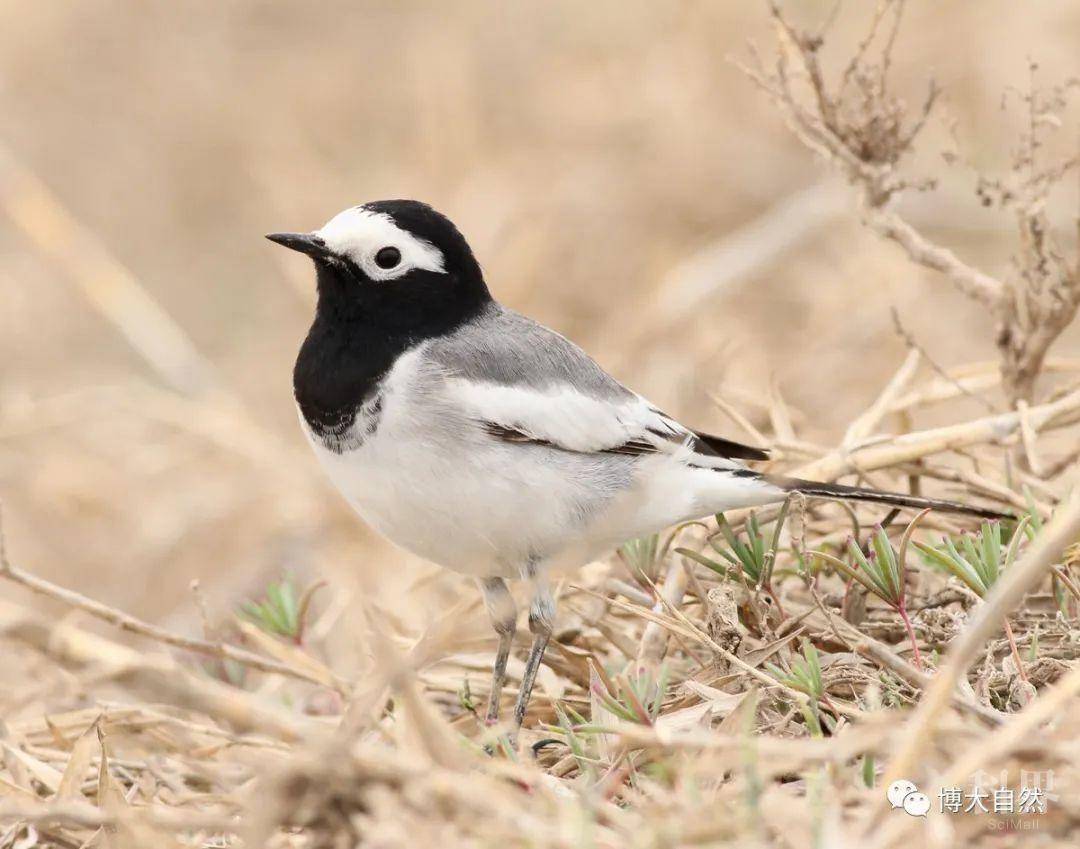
column 339, row 379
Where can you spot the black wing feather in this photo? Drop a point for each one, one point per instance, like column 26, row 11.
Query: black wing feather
column 702, row 443
column 706, row 443
column 632, row 447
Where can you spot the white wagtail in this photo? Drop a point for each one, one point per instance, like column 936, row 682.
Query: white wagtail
column 480, row 440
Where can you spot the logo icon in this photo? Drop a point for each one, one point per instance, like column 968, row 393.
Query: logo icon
column 898, row 790
column 917, row 804
column 904, row 794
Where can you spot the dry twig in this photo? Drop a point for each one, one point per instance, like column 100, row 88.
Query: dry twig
column 864, row 131
column 127, row 622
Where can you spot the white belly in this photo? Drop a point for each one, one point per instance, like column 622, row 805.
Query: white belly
column 471, row 504
column 484, row 509
column 437, row 484
column 434, row 483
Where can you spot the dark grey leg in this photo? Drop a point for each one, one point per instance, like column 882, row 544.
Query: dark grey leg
column 541, row 622
column 503, row 613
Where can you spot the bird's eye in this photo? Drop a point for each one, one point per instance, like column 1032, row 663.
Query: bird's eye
column 387, row 257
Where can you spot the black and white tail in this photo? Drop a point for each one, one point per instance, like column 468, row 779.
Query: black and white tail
column 840, row 492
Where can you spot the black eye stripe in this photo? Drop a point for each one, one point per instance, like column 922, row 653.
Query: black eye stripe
column 388, row 257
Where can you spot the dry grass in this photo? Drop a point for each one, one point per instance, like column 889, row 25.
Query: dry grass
column 672, row 709
column 146, row 434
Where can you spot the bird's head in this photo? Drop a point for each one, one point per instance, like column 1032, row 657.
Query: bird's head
column 393, row 260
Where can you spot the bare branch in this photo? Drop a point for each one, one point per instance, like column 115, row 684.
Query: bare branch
column 969, row 280
column 864, row 132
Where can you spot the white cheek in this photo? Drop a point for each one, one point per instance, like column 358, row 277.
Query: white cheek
column 360, row 235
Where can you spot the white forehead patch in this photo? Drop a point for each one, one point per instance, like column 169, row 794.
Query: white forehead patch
column 360, row 234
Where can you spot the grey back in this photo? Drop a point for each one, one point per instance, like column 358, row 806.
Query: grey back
column 504, row 347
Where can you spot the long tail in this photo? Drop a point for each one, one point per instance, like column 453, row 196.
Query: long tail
column 857, row 493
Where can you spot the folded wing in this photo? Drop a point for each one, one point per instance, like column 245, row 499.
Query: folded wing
column 526, row 384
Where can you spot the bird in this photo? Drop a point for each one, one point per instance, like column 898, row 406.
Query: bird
column 487, row 443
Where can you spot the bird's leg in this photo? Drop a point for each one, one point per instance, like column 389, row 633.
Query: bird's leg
column 541, row 621
column 503, row 613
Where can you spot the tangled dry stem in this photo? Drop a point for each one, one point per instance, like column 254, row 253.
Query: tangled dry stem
column 863, row 129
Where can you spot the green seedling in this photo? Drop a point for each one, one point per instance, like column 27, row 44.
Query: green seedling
column 978, row 560
column 804, row 676
column 883, row 573
column 641, row 557
column 465, row 699
column 752, row 560
column 868, row 770
column 637, row 698
column 277, row 613
column 281, row 612
column 580, row 737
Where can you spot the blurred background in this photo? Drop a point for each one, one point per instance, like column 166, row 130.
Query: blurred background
column 618, row 176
